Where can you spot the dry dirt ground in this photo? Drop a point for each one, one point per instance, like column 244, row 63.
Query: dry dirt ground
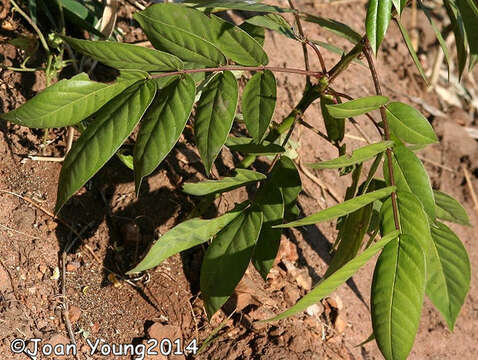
column 116, row 228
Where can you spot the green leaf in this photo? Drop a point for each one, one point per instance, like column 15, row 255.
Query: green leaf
column 247, row 146
column 357, row 106
column 102, row 138
column 328, row 285
column 378, row 18
column 242, row 177
column 167, row 24
column 67, row 102
column 336, row 27
column 270, row 200
column 410, row 175
column 398, row 289
column 358, row 156
column 258, row 103
column 237, row 5
column 399, row 5
column 285, row 176
column 227, row 258
column 215, row 115
column 126, row 56
column 163, row 124
column 183, row 236
column 336, row 50
column 409, row 125
column 411, row 50
column 459, row 33
column 412, row 217
column 80, row 15
column 450, row 273
column 447, row 208
column 341, row 209
column 469, row 12
column 335, row 127
column 256, row 32
column 351, row 234
column 273, row 22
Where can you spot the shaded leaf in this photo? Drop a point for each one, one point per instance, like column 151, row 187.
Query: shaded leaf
column 328, row 285
column 335, row 127
column 409, row 124
column 215, row 115
column 67, row 102
column 185, row 236
column 285, row 176
column 164, row 23
column 459, row 33
column 270, row 200
column 242, row 177
column 469, row 12
column 126, row 56
column 377, row 21
column 341, row 209
column 238, row 5
column 357, row 106
column 336, row 27
column 102, row 138
column 398, row 288
column 258, row 103
column 358, row 156
column 410, row 175
column 336, row 50
column 449, row 276
column 81, row 16
column 256, row 32
column 273, row 22
column 227, row 258
column 449, row 209
column 411, row 50
column 163, row 124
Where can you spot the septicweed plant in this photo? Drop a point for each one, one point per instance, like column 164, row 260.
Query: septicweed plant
column 196, row 62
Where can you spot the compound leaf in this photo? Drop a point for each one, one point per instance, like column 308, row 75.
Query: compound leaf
column 341, row 209
column 258, row 103
column 449, row 276
column 102, row 138
column 398, row 289
column 227, row 258
column 410, row 175
column 328, row 285
column 242, row 177
column 215, row 115
column 447, row 208
column 126, row 56
column 163, row 124
column 285, row 176
column 336, row 27
column 335, row 127
column 459, row 32
column 67, row 102
column 358, row 156
column 238, row 5
column 378, row 18
column 409, row 124
column 357, row 106
column 184, row 236
column 469, row 12
column 246, row 145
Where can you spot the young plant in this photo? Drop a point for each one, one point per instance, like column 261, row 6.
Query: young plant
column 193, row 65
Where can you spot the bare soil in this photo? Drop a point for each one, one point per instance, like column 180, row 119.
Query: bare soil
column 117, row 227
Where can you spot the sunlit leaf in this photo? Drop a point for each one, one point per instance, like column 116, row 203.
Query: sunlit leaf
column 242, row 177
column 409, row 124
column 336, row 27
column 448, row 209
column 328, row 285
column 357, row 106
column 358, row 156
column 341, row 209
column 184, row 236
column 377, row 21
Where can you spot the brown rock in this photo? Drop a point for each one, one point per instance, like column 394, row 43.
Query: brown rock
column 159, row 332
column 291, row 294
column 287, row 251
column 72, row 266
column 340, row 324
column 57, row 339
column 5, row 283
column 74, row 314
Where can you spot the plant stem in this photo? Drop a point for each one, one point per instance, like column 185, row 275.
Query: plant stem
column 33, row 25
column 368, row 54
column 243, row 68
